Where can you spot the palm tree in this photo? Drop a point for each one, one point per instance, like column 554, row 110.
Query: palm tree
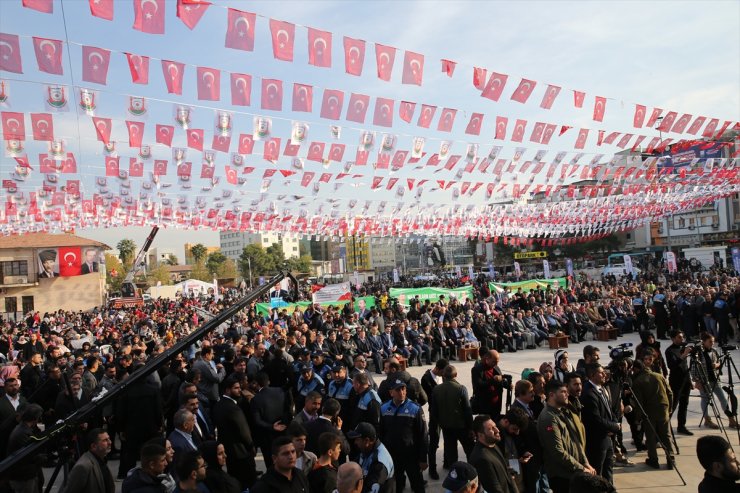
column 126, row 249
column 199, row 252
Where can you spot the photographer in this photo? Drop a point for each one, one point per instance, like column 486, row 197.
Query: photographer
column 677, row 357
column 720, row 465
column 707, row 381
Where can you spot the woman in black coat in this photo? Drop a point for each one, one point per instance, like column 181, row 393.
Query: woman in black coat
column 216, row 478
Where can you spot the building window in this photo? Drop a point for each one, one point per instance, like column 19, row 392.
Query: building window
column 11, row 304
column 15, row 268
column 27, row 302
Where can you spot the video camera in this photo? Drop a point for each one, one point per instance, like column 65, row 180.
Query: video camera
column 507, row 381
column 728, row 347
column 621, row 351
column 694, row 344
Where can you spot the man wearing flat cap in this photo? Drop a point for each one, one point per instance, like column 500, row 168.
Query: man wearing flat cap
column 462, row 478
column 375, row 460
column 48, row 258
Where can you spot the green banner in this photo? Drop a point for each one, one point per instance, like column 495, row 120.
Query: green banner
column 265, row 308
column 405, row 295
column 526, row 286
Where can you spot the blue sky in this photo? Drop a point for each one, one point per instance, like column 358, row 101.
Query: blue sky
column 681, row 55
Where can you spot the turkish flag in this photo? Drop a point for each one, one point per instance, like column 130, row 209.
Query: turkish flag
column 357, row 108
column 103, row 127
column 42, row 125
column 307, row 177
column 45, row 6
column 160, row 167
column 302, row 97
column 476, row 120
column 319, row 48
column 95, row 64
column 246, row 144
column 710, row 128
column 581, row 140
column 271, row 150
column 446, row 120
column 173, row 73
column 206, row 171
column 501, row 122
column 639, row 117
column 283, row 36
column 164, row 134
column 519, row 128
column 539, row 129
column 681, row 123
column 221, row 143
column 102, row 9
column 448, row 67
column 654, row 117
column 10, row 53
column 316, row 151
column 14, row 126
column 578, row 98
column 406, row 111
column 139, row 67
column 354, row 55
column 383, row 116
column 495, row 86
column 135, row 133
column 184, row 170
column 522, row 93
column 426, row 116
column 384, row 57
column 548, row 133
column 231, row 175
column 209, row 84
column 336, row 152
column 190, row 11
column 111, row 166
column 624, row 140
column 69, row 261
column 291, row 150
column 599, row 108
column 549, row 98
column 694, row 128
column 135, row 168
column 331, row 105
column 722, row 129
column 241, row 89
column 272, row 94
column 361, row 157
column 149, row 16
column 479, row 78
column 667, row 122
column 240, row 30
column 413, row 68
column 48, row 55
column 195, row 138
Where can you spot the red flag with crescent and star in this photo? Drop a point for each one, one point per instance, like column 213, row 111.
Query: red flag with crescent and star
column 69, row 261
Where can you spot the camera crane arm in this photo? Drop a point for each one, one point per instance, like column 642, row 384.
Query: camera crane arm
column 81, row 414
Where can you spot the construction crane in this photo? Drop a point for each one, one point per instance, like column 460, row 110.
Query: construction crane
column 130, row 295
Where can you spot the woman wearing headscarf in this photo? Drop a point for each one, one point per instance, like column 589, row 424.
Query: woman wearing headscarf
column 216, row 478
column 562, row 366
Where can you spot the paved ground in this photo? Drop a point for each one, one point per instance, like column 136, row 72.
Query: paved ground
column 638, row 478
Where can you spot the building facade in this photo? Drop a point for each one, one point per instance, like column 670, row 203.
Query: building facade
column 190, row 260
column 233, row 243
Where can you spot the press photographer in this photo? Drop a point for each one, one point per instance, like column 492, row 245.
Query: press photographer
column 706, row 380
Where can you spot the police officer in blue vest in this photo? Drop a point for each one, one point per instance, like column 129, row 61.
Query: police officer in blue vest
column 721, row 313
column 307, row 382
column 364, row 403
column 340, row 388
column 376, row 462
column 404, row 431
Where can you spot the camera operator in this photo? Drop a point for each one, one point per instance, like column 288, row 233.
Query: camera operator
column 677, row 359
column 720, row 465
column 708, row 365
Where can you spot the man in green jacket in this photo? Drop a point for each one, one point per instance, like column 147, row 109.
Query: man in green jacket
column 450, row 409
column 653, row 399
column 562, row 455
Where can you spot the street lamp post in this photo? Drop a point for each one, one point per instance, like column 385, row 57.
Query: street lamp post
column 249, row 262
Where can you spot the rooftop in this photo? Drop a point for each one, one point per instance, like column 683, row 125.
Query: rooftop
column 46, row 240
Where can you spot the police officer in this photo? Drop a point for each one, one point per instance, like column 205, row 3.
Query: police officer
column 375, row 460
column 364, row 403
column 340, row 389
column 307, row 382
column 404, row 431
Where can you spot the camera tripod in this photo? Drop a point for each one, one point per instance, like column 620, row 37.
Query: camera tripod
column 726, row 362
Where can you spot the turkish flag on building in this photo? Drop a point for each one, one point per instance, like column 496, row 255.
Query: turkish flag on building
column 302, row 97
column 135, row 133
column 70, row 263
column 413, row 68
column 495, row 86
column 48, row 55
column 283, row 37
column 319, row 48
column 384, row 57
column 164, row 134
column 195, row 139
column 14, row 126
column 45, row 6
column 42, row 125
column 426, row 116
column 357, row 108
column 149, row 16
column 241, row 89
column 95, row 64
column 139, row 67
column 173, row 73
column 522, row 93
column 331, row 105
column 102, row 9
column 383, row 112
column 599, row 108
column 446, row 120
column 549, row 98
column 240, row 30
column 272, row 94
column 190, row 11
column 10, row 53
column 103, row 128
column 209, row 84
column 354, row 55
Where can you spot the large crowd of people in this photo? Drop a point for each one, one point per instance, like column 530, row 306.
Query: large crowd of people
column 323, row 394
